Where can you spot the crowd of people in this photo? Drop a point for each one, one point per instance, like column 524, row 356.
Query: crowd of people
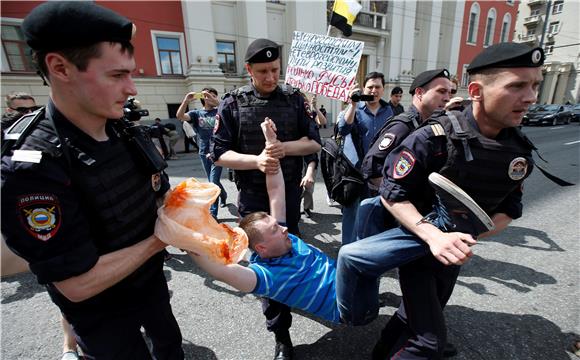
column 92, row 243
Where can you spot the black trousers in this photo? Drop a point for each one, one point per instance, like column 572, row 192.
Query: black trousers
column 419, row 324
column 115, row 332
column 278, row 316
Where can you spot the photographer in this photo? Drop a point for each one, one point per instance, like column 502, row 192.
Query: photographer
column 358, row 124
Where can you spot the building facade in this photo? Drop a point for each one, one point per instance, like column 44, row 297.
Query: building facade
column 180, row 46
column 553, row 25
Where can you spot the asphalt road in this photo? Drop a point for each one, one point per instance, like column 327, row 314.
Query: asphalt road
column 518, row 298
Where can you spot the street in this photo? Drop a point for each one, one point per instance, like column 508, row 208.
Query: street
column 518, row 298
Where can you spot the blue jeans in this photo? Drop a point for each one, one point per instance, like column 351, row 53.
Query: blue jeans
column 214, row 174
column 372, row 218
column 360, row 266
column 349, row 221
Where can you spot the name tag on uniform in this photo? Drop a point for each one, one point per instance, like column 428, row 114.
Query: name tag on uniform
column 31, row 156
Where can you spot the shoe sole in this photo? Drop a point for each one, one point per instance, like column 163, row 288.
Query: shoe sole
column 444, row 184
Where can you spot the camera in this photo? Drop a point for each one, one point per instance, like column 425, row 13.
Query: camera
column 357, row 96
column 132, row 110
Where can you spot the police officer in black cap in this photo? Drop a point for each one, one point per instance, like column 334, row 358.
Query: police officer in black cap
column 430, row 91
column 239, row 144
column 484, row 153
column 78, row 202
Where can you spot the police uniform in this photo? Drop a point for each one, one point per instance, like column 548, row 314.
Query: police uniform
column 68, row 199
column 237, row 128
column 372, row 217
column 490, row 170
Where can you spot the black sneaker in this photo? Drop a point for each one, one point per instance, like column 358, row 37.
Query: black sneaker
column 466, row 216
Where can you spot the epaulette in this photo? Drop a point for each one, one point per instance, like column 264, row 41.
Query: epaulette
column 17, row 133
column 437, row 129
column 288, row 89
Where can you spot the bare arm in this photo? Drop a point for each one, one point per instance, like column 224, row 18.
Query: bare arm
column 448, row 248
column 274, row 182
column 181, row 114
column 300, row 147
column 235, row 160
column 109, row 270
column 308, row 179
column 240, row 277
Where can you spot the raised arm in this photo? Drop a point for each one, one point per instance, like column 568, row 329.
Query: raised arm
column 274, row 182
column 181, row 114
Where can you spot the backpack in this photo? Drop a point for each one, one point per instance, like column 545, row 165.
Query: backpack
column 344, row 182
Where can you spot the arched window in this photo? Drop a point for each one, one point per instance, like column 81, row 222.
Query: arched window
column 472, row 26
column 505, row 28
column 489, row 27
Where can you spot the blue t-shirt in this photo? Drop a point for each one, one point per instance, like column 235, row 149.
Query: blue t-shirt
column 304, row 278
column 203, row 121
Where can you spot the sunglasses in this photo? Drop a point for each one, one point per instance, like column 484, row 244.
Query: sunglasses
column 25, row 110
column 453, row 91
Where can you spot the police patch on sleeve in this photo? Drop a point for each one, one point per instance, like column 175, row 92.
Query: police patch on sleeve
column 518, row 168
column 216, row 126
column 156, row 181
column 404, row 165
column 388, row 140
column 40, row 215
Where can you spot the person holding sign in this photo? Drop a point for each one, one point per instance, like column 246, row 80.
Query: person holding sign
column 359, row 123
column 238, row 144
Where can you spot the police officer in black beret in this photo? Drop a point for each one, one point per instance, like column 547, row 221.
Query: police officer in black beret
column 78, row 202
column 484, row 153
column 239, row 144
column 430, row 91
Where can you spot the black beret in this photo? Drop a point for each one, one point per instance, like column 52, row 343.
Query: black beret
column 261, row 51
column 56, row 25
column 425, row 77
column 507, row 55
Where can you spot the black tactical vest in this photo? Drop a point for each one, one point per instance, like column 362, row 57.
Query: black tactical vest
column 487, row 169
column 282, row 108
column 117, row 195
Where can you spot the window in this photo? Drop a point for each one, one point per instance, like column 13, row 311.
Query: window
column 226, row 54
column 558, row 6
column 549, row 49
column 473, row 21
column 465, row 75
column 169, row 52
column 505, row 28
column 17, row 52
column 531, row 31
column 169, row 55
column 489, row 27
column 554, row 27
column 535, row 12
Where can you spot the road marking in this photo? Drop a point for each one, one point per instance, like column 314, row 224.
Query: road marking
column 572, row 142
column 556, row 128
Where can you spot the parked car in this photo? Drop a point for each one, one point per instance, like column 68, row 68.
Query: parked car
column 547, row 115
column 575, row 112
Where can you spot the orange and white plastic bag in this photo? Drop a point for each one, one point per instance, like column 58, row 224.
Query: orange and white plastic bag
column 184, row 221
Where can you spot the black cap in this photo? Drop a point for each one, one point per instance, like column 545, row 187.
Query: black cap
column 56, row 25
column 507, row 55
column 396, row 90
column 261, row 51
column 426, row 77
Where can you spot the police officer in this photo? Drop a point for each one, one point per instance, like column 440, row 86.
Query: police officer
column 430, row 91
column 483, row 152
column 239, row 144
column 78, row 203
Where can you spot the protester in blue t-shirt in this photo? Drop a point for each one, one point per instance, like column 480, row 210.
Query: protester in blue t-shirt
column 203, row 121
column 283, row 267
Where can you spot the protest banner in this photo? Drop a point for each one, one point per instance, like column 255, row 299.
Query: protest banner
column 323, row 65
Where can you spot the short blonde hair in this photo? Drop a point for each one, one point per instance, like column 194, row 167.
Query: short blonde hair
column 248, row 224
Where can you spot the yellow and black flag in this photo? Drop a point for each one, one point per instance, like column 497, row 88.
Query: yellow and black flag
column 343, row 14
